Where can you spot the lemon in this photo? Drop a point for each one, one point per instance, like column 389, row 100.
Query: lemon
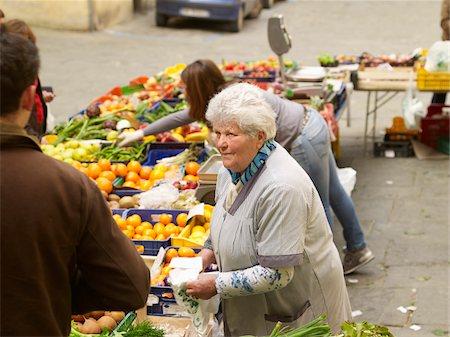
column 206, row 225
column 196, row 235
column 198, row 229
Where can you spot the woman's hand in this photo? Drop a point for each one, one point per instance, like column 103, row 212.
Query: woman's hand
column 48, row 96
column 130, row 137
column 204, row 287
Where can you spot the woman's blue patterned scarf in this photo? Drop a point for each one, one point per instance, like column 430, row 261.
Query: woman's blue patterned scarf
column 255, row 165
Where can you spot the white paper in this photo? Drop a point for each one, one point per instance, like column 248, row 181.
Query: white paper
column 402, row 309
column 415, row 327
column 196, row 210
column 195, row 263
column 356, row 313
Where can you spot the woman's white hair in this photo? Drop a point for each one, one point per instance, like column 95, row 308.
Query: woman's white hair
column 245, row 105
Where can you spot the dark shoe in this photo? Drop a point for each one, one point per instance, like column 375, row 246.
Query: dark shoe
column 357, row 259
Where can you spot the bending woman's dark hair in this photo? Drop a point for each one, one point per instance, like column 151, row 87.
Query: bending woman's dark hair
column 203, row 80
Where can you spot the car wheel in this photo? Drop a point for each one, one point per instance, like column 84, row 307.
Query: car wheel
column 267, row 3
column 238, row 24
column 256, row 10
column 161, row 20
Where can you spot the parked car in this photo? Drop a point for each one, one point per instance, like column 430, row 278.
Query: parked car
column 233, row 11
column 267, row 3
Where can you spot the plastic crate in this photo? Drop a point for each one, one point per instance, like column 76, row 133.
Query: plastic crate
column 254, row 76
column 125, row 323
column 151, row 247
column 173, row 145
column 436, row 124
column 438, row 81
column 119, row 211
column 393, row 149
column 164, row 308
column 155, row 155
column 443, row 145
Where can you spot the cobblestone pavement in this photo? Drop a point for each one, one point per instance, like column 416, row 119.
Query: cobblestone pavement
column 402, row 203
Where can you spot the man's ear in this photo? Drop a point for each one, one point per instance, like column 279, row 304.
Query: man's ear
column 27, row 99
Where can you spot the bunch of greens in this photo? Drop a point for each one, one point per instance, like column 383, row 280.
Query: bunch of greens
column 315, row 328
column 363, row 329
column 83, row 127
column 142, row 329
column 116, row 153
column 161, row 111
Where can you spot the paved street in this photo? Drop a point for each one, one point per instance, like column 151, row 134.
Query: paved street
column 403, row 204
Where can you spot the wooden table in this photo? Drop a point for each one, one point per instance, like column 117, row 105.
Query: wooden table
column 381, row 87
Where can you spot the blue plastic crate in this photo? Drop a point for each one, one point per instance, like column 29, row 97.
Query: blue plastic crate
column 119, row 211
column 155, row 155
column 151, row 247
column 173, row 145
column 163, row 308
column 126, row 191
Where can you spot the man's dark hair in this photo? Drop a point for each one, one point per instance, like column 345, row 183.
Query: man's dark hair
column 19, row 66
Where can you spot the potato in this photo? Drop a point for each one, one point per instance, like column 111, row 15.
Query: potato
column 127, row 202
column 105, row 195
column 114, row 204
column 113, row 197
column 90, row 326
column 78, row 318
column 117, row 315
column 97, row 314
column 108, row 322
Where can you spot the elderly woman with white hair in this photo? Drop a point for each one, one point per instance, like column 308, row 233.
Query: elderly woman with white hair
column 269, row 233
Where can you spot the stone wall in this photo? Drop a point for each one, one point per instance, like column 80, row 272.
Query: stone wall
column 73, row 14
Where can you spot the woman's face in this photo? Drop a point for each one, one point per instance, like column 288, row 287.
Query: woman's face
column 236, row 148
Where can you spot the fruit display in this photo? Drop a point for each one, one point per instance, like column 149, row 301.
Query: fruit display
column 369, row 60
column 151, row 225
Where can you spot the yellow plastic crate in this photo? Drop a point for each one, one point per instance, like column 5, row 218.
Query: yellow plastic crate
column 182, row 239
column 432, row 81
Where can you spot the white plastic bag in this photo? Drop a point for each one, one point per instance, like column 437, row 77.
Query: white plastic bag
column 412, row 108
column 160, row 197
column 438, row 57
column 347, row 178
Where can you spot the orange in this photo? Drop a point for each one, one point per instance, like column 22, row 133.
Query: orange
column 116, row 217
column 181, row 219
column 192, row 168
column 145, row 172
column 165, row 218
column 84, row 170
column 159, row 228
column 160, row 237
column 114, row 168
column 147, row 225
column 170, row 254
column 134, row 220
column 132, row 176
column 104, row 184
column 157, row 174
column 137, row 236
column 129, row 184
column 139, row 229
column 121, row 223
column 174, row 167
column 121, row 170
column 94, row 170
column 186, row 252
column 165, row 271
column 110, row 175
column 128, row 233
column 104, row 164
column 130, row 229
column 170, row 229
column 149, row 232
column 190, row 177
column 134, row 166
